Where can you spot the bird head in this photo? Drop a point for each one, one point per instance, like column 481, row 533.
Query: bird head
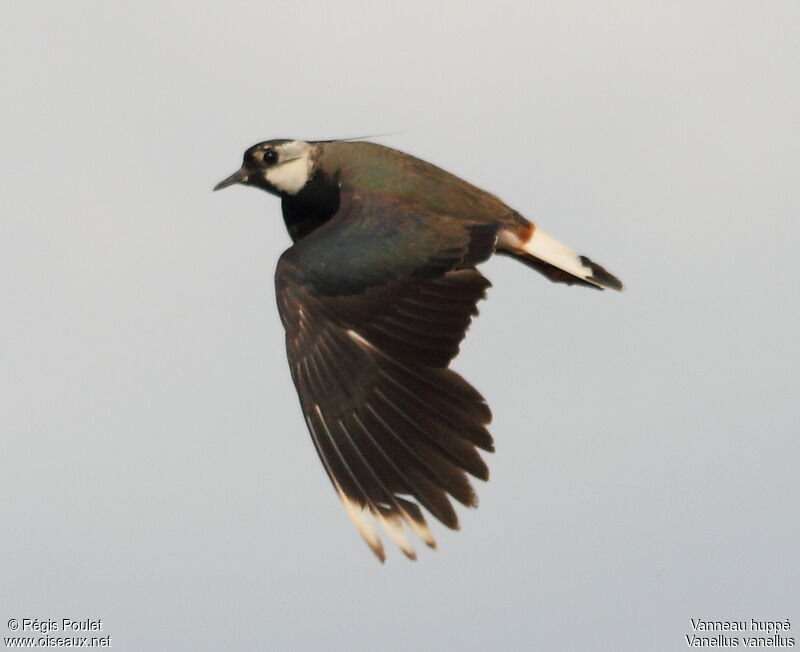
column 281, row 167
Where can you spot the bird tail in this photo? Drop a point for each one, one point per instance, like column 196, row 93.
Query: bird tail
column 556, row 261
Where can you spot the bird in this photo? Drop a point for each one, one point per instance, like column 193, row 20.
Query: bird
column 375, row 295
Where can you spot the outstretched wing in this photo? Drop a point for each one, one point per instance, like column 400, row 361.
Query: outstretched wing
column 375, row 306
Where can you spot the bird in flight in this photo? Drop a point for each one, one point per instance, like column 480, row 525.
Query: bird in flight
column 375, row 295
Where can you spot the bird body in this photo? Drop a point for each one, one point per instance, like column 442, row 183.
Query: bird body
column 376, row 295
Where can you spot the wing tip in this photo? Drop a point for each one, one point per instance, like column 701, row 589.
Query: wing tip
column 391, row 522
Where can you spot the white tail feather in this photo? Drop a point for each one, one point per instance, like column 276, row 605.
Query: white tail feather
column 546, row 248
column 550, row 250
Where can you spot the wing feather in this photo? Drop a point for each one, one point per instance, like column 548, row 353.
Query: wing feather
column 369, row 349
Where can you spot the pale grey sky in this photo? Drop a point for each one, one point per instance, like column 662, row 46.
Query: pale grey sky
column 155, row 470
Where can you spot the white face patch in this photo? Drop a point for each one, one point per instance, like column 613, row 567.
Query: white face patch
column 293, row 168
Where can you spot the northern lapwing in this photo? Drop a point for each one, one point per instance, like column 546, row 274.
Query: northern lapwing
column 376, row 294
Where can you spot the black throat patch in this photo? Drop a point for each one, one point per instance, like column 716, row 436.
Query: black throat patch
column 316, row 203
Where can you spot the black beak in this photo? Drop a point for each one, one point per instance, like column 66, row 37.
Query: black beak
column 240, row 176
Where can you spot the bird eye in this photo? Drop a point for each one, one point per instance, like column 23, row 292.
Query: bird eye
column 270, row 156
